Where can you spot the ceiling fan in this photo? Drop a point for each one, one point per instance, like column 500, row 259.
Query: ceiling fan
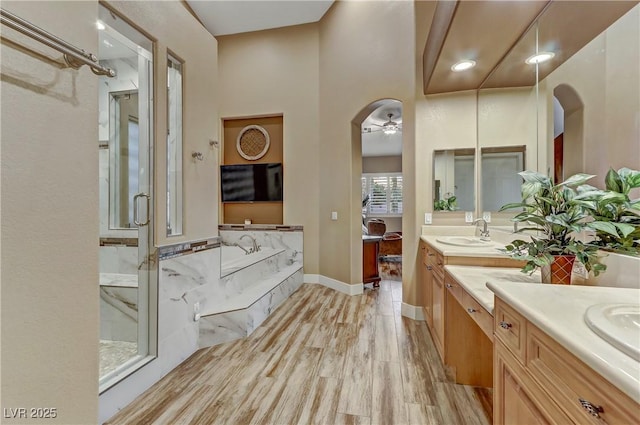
column 389, row 127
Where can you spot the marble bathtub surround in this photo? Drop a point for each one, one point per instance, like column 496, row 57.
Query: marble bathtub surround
column 229, row 305
column 184, row 248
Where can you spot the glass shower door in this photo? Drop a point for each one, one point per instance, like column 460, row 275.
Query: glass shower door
column 126, row 264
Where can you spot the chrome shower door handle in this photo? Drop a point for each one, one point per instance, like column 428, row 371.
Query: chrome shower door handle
column 135, row 209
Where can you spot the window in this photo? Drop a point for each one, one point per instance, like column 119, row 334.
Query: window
column 385, row 193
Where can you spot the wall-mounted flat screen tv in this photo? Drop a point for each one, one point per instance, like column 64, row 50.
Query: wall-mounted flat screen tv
column 251, row 182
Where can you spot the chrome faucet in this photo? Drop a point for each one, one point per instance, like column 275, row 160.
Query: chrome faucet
column 255, row 247
column 484, row 233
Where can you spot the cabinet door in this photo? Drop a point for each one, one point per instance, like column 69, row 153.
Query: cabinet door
column 427, row 288
column 437, row 299
column 517, row 399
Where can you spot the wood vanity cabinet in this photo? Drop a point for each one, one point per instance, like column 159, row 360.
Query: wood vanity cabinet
column 436, row 304
column 433, row 293
column 538, row 381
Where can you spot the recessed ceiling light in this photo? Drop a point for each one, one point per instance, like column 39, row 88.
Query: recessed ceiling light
column 100, row 25
column 463, row 65
column 540, row 57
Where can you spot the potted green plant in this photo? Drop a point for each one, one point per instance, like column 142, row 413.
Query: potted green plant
column 616, row 217
column 550, row 211
column 449, row 203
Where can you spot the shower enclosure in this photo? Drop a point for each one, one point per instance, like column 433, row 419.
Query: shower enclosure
column 127, row 332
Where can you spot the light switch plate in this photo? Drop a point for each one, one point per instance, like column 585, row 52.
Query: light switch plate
column 427, row 218
column 334, row 215
column 468, row 216
column 486, row 216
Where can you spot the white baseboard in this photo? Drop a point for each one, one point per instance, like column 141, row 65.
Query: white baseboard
column 337, row 285
column 412, row 311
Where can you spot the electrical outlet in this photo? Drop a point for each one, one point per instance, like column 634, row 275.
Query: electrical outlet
column 468, row 216
column 334, row 215
column 486, row 216
column 427, row 218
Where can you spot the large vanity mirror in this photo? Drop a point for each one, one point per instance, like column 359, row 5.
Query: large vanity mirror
column 500, row 180
column 454, row 180
column 568, row 107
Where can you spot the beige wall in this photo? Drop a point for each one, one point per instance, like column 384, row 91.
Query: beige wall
column 606, row 76
column 276, row 72
column 49, row 306
column 50, row 315
column 382, row 164
column 353, row 75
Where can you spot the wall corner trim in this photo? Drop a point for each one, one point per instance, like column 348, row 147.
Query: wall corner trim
column 337, row 285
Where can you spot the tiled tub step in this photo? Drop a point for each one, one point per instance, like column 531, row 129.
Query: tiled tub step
column 239, row 316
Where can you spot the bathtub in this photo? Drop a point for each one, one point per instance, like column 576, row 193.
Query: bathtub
column 234, row 258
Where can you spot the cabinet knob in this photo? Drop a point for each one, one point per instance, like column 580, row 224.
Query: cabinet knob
column 593, row 409
column 429, row 268
column 471, row 310
column 431, row 254
column 449, row 285
column 505, row 325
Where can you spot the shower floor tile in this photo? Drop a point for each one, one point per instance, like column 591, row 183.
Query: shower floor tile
column 115, row 353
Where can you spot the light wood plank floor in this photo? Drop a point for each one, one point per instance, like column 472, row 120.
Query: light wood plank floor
column 324, row 358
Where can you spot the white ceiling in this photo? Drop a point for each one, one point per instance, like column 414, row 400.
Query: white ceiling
column 225, row 17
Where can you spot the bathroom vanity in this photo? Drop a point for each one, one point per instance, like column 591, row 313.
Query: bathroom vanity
column 549, row 367
column 451, row 313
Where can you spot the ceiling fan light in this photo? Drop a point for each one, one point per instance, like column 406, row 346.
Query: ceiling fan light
column 540, row 57
column 463, row 65
column 390, row 129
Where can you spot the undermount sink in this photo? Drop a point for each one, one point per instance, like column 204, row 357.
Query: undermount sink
column 466, row 241
column 618, row 324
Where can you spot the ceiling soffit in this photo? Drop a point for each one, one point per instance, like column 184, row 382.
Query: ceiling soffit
column 500, row 35
column 564, row 29
column 482, row 31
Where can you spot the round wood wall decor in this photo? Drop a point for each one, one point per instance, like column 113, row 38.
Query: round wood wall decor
column 253, row 142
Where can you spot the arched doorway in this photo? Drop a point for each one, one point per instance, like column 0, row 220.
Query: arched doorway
column 377, row 137
column 568, row 143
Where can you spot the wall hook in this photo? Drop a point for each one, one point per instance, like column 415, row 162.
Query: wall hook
column 213, row 143
column 197, row 155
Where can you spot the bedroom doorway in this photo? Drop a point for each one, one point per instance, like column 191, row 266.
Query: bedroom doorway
column 382, row 184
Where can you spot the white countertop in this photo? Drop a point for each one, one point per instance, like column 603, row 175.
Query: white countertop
column 462, row 251
column 559, row 311
column 473, row 279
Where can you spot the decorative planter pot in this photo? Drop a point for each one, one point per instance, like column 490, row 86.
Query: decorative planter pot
column 558, row 272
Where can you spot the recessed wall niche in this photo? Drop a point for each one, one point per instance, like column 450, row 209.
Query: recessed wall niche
column 257, row 212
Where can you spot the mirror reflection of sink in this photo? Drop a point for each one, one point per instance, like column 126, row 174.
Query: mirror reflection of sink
column 466, row 241
column 618, row 324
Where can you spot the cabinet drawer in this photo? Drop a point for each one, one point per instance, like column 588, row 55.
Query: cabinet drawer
column 478, row 314
column 453, row 287
column 571, row 384
column 509, row 327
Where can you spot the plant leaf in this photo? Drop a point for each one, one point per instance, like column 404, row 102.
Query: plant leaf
column 577, row 179
column 625, row 229
column 603, row 226
column 613, row 181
